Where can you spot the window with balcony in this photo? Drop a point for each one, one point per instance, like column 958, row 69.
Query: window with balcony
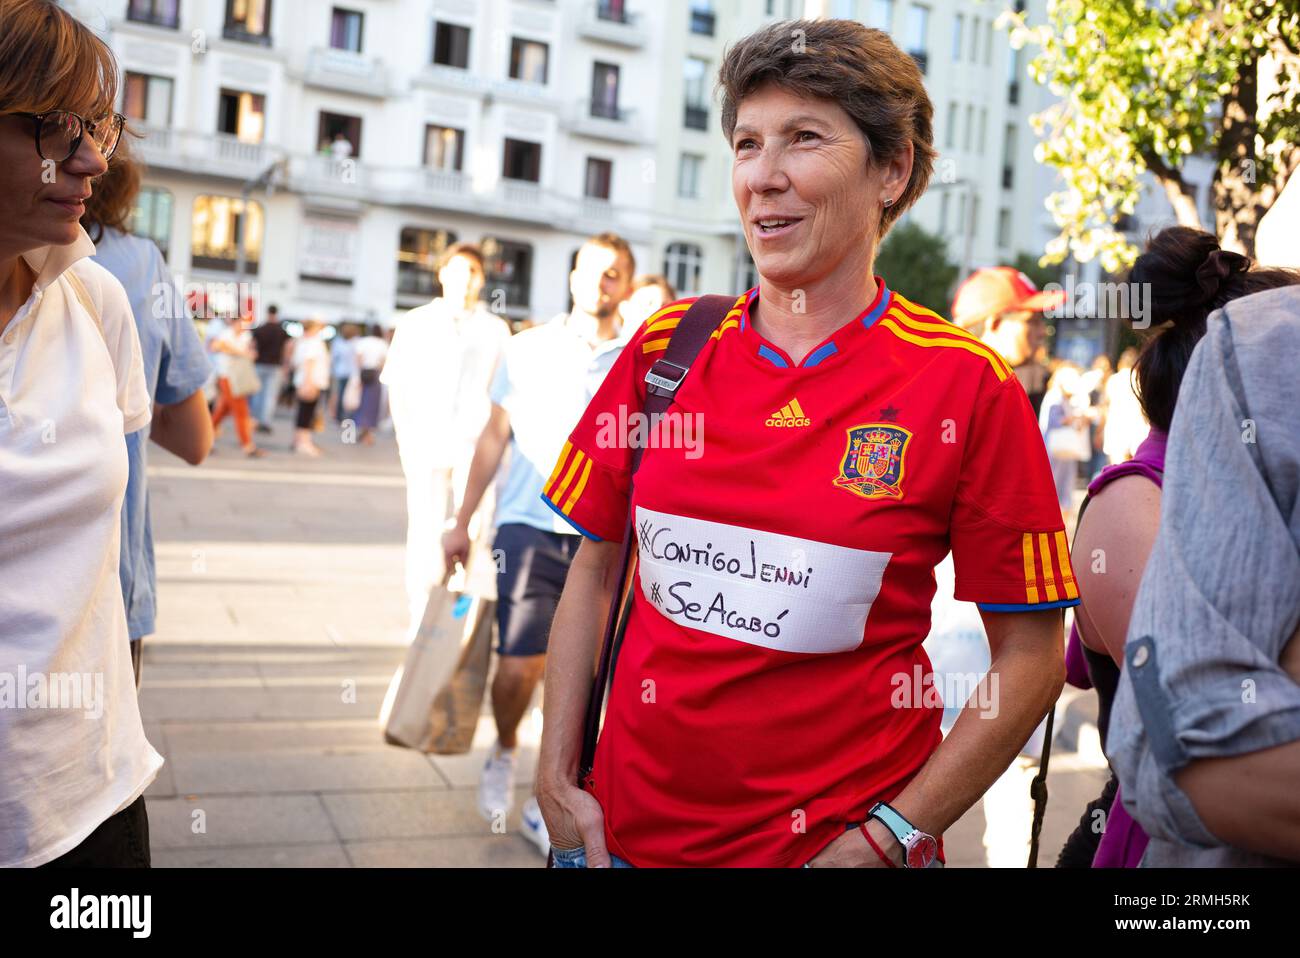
column 339, row 135
column 683, row 263
column 418, row 253
column 918, row 27
column 690, row 174
column 703, row 18
column 248, row 21
column 451, row 45
column 509, row 269
column 604, row 90
column 152, row 217
column 599, row 174
column 695, row 86
column 345, row 29
column 243, row 115
column 528, row 60
column 444, row 148
column 218, row 223
column 958, row 25
column 882, row 14
column 523, row 161
column 147, row 99
column 160, row 13
column 613, row 10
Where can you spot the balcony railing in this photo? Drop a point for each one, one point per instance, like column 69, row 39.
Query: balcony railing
column 696, row 118
column 154, row 18
column 345, row 70
column 216, row 154
column 609, row 24
column 241, row 34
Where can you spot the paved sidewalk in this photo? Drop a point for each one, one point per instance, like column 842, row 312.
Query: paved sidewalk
column 281, row 620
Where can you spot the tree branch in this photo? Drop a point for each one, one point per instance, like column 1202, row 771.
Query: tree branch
column 1181, row 197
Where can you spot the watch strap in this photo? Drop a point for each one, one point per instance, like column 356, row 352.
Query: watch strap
column 896, row 823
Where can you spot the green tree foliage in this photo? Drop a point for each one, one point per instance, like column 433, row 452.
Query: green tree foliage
column 1142, row 86
column 915, row 263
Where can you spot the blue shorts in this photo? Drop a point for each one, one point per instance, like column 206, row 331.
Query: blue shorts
column 535, row 563
column 577, row 858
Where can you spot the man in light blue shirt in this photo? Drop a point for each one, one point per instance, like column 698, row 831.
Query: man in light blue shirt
column 546, row 378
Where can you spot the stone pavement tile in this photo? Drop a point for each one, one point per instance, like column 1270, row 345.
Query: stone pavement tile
column 163, row 785
column 262, row 856
column 487, row 851
column 408, row 814
column 218, row 704
column 463, row 771
column 158, row 672
column 238, row 820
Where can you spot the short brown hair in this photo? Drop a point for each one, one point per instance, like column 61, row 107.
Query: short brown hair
column 860, row 69
column 113, row 200
column 610, row 240
column 469, row 251
column 654, row 279
column 51, row 61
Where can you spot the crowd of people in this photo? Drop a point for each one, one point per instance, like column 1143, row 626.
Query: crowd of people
column 857, row 449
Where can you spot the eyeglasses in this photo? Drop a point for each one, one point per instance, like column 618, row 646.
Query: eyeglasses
column 59, row 133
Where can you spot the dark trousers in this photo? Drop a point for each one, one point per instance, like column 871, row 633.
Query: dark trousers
column 121, row 841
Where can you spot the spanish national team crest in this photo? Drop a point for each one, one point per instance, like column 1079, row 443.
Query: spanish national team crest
column 873, row 461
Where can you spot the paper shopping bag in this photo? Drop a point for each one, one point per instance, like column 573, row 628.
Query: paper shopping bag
column 458, row 704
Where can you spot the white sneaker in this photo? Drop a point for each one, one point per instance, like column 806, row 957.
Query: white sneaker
column 496, row 787
column 534, row 827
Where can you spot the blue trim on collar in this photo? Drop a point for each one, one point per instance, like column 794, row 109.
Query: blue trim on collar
column 885, row 296
column 772, row 356
column 1035, row 607
column 748, row 300
column 819, row 354
column 556, row 509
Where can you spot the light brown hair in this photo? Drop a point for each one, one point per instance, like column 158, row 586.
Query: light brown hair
column 113, row 200
column 469, row 250
column 613, row 241
column 51, row 61
column 854, row 66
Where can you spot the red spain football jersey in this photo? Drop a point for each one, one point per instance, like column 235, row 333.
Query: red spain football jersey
column 788, row 522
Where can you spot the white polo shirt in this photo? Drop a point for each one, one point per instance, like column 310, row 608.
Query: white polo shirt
column 72, row 745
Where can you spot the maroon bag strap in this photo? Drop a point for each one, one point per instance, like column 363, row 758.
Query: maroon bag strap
column 663, row 380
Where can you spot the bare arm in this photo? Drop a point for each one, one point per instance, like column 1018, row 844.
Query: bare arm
column 1264, row 818
column 184, row 429
column 1111, row 551
column 572, row 815
column 488, row 451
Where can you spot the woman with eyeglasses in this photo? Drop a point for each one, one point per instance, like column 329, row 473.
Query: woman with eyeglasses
column 74, row 760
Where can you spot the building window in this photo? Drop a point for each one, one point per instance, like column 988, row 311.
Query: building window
column 599, row 174
column 1009, row 157
column 984, row 116
column 510, row 269
column 214, row 241
column 243, row 115
column 249, row 21
column 975, row 39
column 746, row 271
column 943, row 213
column 1013, row 77
column 689, row 175
column 528, row 60
column 523, row 161
column 970, row 127
column 604, row 90
column 152, row 216
column 339, row 135
column 918, row 27
column 958, row 24
column 703, row 19
column 161, row 13
column 950, row 135
column 1004, row 228
column 451, row 45
column 614, row 10
column 444, row 148
column 147, row 99
column 695, row 85
column 682, row 265
column 988, row 44
column 345, row 29
column 882, row 14
column 418, row 253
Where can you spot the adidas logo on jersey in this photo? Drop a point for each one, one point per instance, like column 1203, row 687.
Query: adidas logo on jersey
column 788, row 416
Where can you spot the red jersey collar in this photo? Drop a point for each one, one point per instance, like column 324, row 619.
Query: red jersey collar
column 833, row 344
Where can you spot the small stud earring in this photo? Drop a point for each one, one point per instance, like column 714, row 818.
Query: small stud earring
column 888, row 203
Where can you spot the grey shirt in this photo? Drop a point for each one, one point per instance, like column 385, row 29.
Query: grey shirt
column 1221, row 593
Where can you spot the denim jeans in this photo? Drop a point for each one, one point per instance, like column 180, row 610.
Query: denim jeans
column 577, row 858
column 266, row 398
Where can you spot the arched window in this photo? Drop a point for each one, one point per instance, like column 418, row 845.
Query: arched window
column 214, row 241
column 417, row 260
column 682, row 265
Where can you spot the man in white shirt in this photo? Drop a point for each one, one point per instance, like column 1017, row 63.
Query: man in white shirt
column 437, row 371
column 541, row 388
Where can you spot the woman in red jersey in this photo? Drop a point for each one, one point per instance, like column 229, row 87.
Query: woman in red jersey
column 772, row 705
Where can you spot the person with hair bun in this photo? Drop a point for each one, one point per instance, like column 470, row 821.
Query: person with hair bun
column 1186, row 276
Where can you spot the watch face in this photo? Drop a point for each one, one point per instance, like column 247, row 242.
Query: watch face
column 922, row 852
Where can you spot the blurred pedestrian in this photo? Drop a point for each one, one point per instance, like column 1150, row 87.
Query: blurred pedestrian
column 1096, row 379
column 311, row 377
column 175, row 367
column 1126, row 426
column 1063, row 420
column 269, row 338
column 73, row 773
column 544, row 381
column 343, row 366
column 650, row 293
column 371, row 351
column 438, row 371
column 232, row 354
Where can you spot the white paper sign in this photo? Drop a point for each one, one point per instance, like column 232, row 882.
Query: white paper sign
column 775, row 591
